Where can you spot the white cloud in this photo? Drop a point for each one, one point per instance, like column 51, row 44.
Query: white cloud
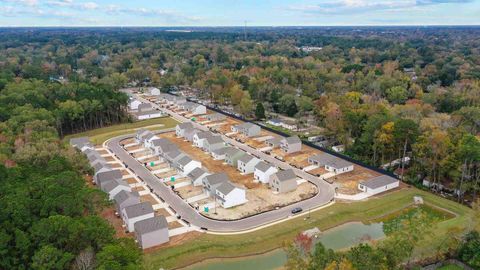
column 21, row 2
column 359, row 6
column 89, row 5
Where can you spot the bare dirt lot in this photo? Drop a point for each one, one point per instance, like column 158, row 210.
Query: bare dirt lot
column 213, row 166
column 109, row 215
column 148, row 198
column 348, row 182
column 263, row 199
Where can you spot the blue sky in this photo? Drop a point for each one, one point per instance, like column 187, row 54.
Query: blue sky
column 235, row 12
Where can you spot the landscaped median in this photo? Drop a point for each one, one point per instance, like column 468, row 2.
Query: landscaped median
column 100, row 135
column 211, row 246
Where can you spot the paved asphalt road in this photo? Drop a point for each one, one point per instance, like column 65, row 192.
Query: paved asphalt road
column 324, row 196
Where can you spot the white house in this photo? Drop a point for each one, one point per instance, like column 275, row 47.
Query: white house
column 246, row 164
column 197, row 175
column 143, row 115
column 140, row 134
column 185, row 165
column 181, row 128
column 154, row 91
column 199, row 137
column 212, row 143
column 263, row 171
column 152, row 232
column 247, row 129
column 148, row 143
column 137, row 212
column 229, row 195
column 338, row 148
column 291, row 144
column 378, row 184
column 114, row 187
column 338, row 166
column 219, row 154
column 215, row 117
column 197, row 109
column 212, row 181
column 134, row 103
column 146, row 111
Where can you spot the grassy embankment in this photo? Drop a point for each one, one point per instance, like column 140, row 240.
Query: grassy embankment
column 210, row 246
column 98, row 136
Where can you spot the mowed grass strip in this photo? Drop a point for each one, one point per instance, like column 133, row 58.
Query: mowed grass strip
column 99, row 135
column 213, row 246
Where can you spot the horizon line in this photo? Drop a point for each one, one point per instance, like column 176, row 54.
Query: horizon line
column 235, row 26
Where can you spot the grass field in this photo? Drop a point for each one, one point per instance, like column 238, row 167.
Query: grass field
column 209, row 246
column 98, row 136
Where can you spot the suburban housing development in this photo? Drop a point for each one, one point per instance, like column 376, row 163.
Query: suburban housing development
column 219, row 167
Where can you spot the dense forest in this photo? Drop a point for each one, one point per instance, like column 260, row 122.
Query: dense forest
column 384, row 93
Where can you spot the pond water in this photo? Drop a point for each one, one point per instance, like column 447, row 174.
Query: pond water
column 273, row 260
column 340, row 237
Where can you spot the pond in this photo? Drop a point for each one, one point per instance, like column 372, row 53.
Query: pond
column 340, row 237
column 337, row 238
column 273, row 260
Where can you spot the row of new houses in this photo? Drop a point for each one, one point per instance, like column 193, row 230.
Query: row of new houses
column 283, row 181
column 334, row 165
column 143, row 111
column 216, row 185
column 139, row 217
column 182, row 104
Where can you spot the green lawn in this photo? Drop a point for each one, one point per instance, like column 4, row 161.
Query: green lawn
column 208, row 246
column 98, row 136
column 450, row 267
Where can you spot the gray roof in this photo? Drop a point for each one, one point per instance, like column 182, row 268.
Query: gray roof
column 184, row 161
column 286, row 175
column 186, row 125
column 263, row 166
column 196, row 173
column 204, row 134
column 173, row 154
column 226, row 187
column 232, row 151
column 79, row 142
column 246, row 125
column 379, row 181
column 322, row 158
column 156, row 142
column 109, row 175
column 146, row 112
column 144, row 107
column 92, row 156
column 138, row 209
column 99, row 164
column 124, row 195
column 246, row 158
column 274, row 141
column 338, row 163
column 214, row 139
column 215, row 116
column 221, row 151
column 166, row 145
column 293, row 140
column 113, row 184
column 217, row 178
column 151, row 225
